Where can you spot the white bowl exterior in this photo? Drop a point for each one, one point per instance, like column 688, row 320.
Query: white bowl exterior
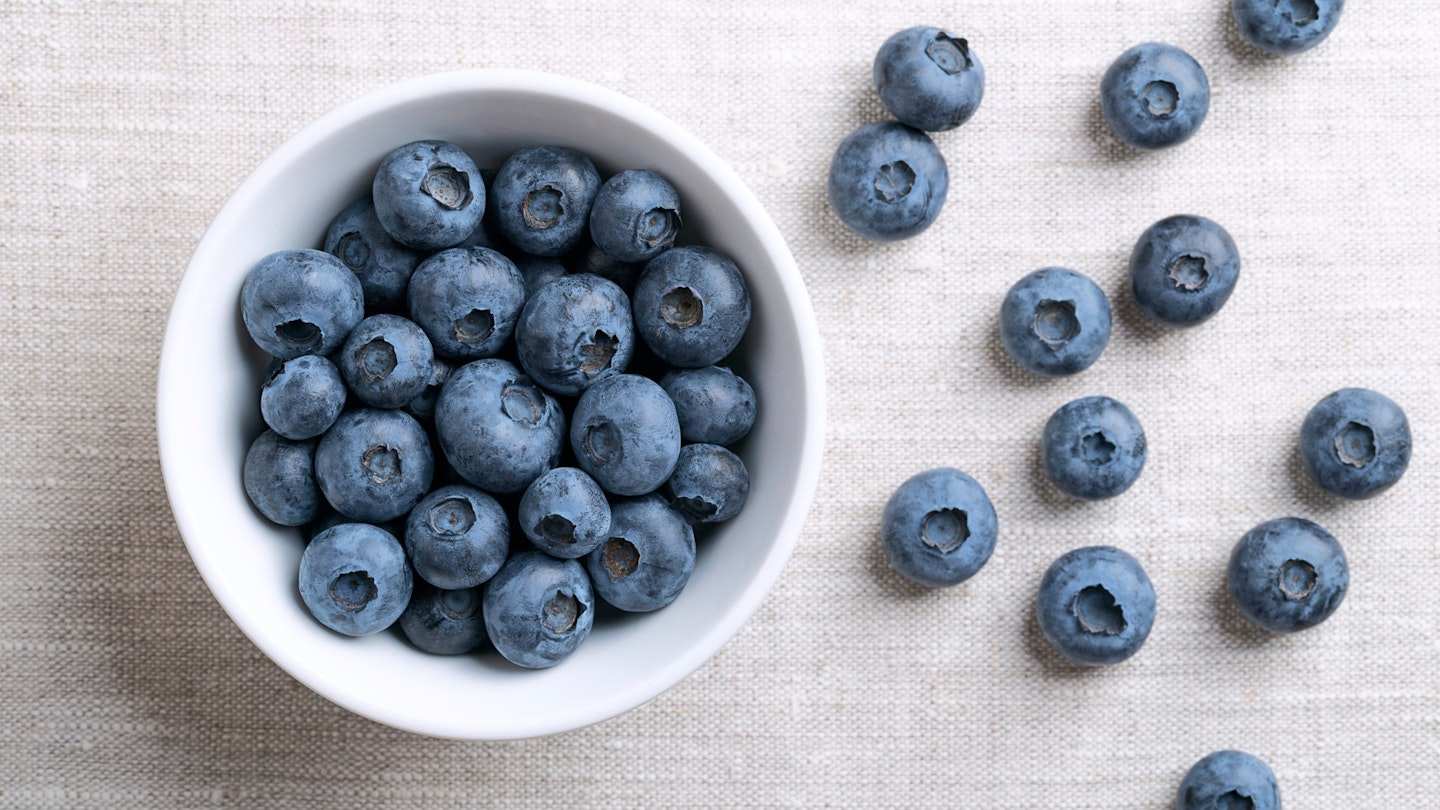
column 210, row 375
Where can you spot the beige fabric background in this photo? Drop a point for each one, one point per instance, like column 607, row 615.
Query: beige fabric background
column 122, row 684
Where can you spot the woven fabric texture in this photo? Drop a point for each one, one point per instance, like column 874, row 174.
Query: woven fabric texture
column 123, row 684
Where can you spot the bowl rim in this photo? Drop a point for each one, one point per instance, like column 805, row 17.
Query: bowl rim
column 170, row 384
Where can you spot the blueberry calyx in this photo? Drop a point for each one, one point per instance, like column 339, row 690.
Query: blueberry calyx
column 1097, row 447
column 556, row 529
column 543, row 208
column 657, row 227
column 619, row 558
column 894, row 181
column 602, row 444
column 945, row 529
column 1304, row 12
column 476, row 326
column 377, row 358
column 452, row 516
column 353, row 590
column 1161, row 98
column 682, row 308
column 522, row 403
column 1355, row 445
column 694, row 509
column 382, row 463
column 1098, row 612
column 299, row 333
column 1297, row 579
column 597, row 353
column 447, row 185
column 1055, row 323
column 354, row 251
column 1188, row 273
column 952, row 54
column 561, row 612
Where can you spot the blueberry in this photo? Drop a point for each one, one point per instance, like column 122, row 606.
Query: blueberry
column 1286, row 26
column 1288, row 574
column 625, row 434
column 354, row 579
column 1096, row 605
column 929, row 79
column 715, row 405
column 1093, row 448
column 429, row 195
column 1228, row 780
column 1154, row 96
column 575, row 331
column 636, row 215
column 691, row 306
column 939, row 528
column 1055, row 322
column 538, row 609
column 383, row 265
column 457, row 537
column 374, row 465
column 444, row 622
column 709, row 485
column 887, row 181
column 496, row 427
column 467, row 300
column 298, row 302
column 1355, row 443
column 543, row 196
column 387, row 361
column 422, row 407
column 564, row 513
column 279, row 478
column 537, row 271
column 647, row 558
column 302, row 397
column 1183, row 269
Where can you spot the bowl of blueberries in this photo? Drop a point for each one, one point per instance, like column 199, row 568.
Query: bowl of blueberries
column 491, row 405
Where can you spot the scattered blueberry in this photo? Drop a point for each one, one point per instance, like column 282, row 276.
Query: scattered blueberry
column 887, row 181
column 1055, row 322
column 625, row 434
column 467, row 300
column 354, row 579
column 692, row 306
column 939, row 528
column 429, row 195
column 302, row 397
column 444, row 622
column 1285, row 27
column 538, row 609
column 457, row 537
column 496, row 427
column 564, row 513
column 928, row 79
column 374, row 465
column 1288, row 574
column 1183, row 269
column 1093, row 448
column 1355, row 443
column 709, row 485
column 1154, row 96
column 279, row 478
column 715, row 405
column 1096, row 605
column 298, row 302
column 636, row 215
column 387, row 361
column 1228, row 780
column 543, row 196
column 382, row 264
column 575, row 331
column 647, row 557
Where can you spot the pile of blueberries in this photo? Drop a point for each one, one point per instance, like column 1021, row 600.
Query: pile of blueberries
column 1096, row 605
column 496, row 395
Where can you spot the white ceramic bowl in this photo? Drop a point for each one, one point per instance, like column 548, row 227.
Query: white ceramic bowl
column 207, row 410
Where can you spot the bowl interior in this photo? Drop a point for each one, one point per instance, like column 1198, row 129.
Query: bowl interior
column 208, row 413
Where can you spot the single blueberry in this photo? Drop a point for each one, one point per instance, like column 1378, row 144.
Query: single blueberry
column 575, row 331
column 1055, row 322
column 1288, row 574
column 538, row 609
column 692, row 306
column 429, row 195
column 467, row 300
column 422, row 407
column 647, row 558
column 302, row 397
column 543, row 196
column 457, row 537
column 564, row 513
column 1284, row 27
column 496, row 427
column 354, row 579
column 929, row 79
column 710, row 484
column 1096, row 605
column 279, row 478
column 636, row 215
column 382, row 264
column 444, row 622
column 887, row 181
column 1228, row 780
column 374, row 465
column 1093, row 448
column 1355, row 443
column 1154, row 96
column 387, row 361
column 298, row 302
column 1183, row 269
column 625, row 434
column 939, row 528
column 714, row 405
column 537, row 271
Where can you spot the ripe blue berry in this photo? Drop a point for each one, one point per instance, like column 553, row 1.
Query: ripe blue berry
column 298, row 302
column 1055, row 322
column 1093, row 448
column 1096, row 605
column 1154, row 96
column 1228, row 780
column 1183, row 270
column 1355, row 443
column 1288, row 574
column 939, row 528
column 887, row 181
column 428, row 195
column 929, row 79
column 1285, row 27
column 354, row 579
column 538, row 609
